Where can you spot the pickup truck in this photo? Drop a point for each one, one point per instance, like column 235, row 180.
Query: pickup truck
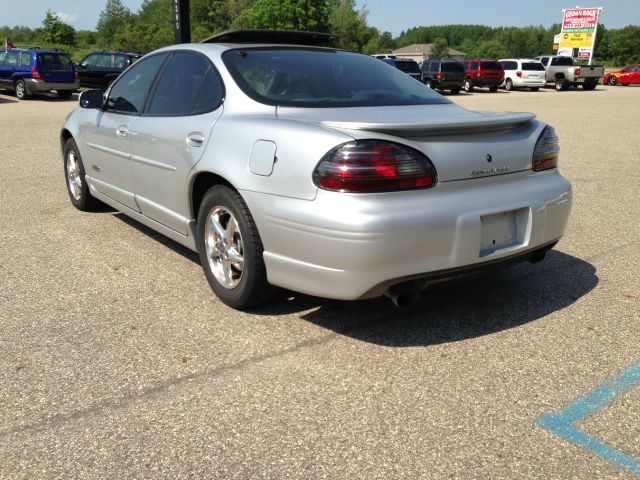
column 563, row 73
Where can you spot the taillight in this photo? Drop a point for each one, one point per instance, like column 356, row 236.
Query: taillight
column 439, row 76
column 519, row 74
column 35, row 74
column 368, row 166
column 75, row 73
column 545, row 154
column 576, row 72
column 478, row 74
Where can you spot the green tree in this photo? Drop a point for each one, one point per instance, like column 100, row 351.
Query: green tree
column 56, row 32
column 350, row 24
column 440, row 48
column 312, row 15
column 112, row 20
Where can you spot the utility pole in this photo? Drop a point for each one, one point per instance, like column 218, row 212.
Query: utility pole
column 181, row 24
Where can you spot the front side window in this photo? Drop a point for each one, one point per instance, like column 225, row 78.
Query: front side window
column 130, row 91
column 121, row 61
column 544, row 61
column 320, row 78
column 90, row 61
column 188, row 85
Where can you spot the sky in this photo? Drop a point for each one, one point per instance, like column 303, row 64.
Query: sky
column 386, row 15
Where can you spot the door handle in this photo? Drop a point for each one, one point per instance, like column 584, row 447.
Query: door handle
column 122, row 131
column 195, row 139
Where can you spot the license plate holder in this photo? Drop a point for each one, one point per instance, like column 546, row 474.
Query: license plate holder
column 499, row 231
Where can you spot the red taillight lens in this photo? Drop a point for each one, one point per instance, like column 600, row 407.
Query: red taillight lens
column 439, row 76
column 369, row 166
column 545, row 154
column 478, row 74
column 519, row 74
column 576, row 72
column 35, row 74
column 75, row 73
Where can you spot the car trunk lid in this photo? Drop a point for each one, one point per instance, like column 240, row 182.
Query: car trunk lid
column 462, row 144
column 55, row 67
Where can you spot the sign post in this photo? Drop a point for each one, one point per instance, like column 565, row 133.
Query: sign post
column 579, row 28
column 181, row 25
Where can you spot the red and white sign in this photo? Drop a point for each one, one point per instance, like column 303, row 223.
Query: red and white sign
column 580, row 18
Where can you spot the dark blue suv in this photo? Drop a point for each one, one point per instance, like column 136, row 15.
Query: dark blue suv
column 36, row 70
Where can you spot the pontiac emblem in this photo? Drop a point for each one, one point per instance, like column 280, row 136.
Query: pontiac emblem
column 489, row 157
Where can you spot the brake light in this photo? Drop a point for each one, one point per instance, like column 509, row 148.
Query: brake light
column 75, row 73
column 35, row 74
column 439, row 76
column 519, row 73
column 478, row 74
column 576, row 72
column 545, row 154
column 369, row 166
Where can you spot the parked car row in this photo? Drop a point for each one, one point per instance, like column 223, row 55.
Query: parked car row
column 33, row 70
column 511, row 73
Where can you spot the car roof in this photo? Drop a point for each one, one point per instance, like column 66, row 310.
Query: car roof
column 271, row 37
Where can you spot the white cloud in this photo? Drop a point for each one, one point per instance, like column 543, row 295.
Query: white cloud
column 67, row 17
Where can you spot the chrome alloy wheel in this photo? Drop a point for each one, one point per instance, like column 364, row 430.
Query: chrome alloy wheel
column 224, row 247
column 20, row 90
column 74, row 180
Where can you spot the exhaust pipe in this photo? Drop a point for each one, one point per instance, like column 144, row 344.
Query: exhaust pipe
column 404, row 296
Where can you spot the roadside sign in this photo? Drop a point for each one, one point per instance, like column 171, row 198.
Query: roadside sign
column 579, row 27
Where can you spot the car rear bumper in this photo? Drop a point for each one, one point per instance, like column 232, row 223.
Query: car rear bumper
column 349, row 246
column 42, row 86
column 529, row 82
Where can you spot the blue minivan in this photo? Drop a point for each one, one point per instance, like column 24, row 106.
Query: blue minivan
column 27, row 71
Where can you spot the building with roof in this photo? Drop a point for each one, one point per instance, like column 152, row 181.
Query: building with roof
column 422, row 51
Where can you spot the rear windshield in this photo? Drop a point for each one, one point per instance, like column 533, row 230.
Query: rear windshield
column 452, row 67
column 308, row 77
column 407, row 67
column 532, row 66
column 55, row 62
column 491, row 66
column 562, row 61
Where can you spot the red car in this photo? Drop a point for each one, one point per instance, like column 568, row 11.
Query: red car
column 482, row 73
column 625, row 76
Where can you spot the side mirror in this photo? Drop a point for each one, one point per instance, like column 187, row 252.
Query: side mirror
column 92, row 99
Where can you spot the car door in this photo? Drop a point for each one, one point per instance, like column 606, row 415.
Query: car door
column 107, row 136
column 87, row 70
column 171, row 136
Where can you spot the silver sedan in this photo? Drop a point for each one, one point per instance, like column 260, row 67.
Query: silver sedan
column 288, row 165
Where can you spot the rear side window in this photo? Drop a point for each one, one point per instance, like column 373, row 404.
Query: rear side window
column 532, row 66
column 130, row 91
column 452, row 67
column 491, row 66
column 434, row 67
column 474, row 66
column 187, row 85
column 562, row 61
column 25, row 59
column 55, row 62
column 509, row 65
column 407, row 67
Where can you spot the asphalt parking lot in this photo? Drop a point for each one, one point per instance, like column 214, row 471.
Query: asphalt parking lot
column 117, row 361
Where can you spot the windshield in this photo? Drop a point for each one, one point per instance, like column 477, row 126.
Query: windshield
column 532, row 66
column 306, row 77
column 55, row 62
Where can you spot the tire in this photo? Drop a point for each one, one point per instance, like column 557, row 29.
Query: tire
column 613, row 81
column 508, row 84
column 534, row 89
column 494, row 88
column 468, row 86
column 226, row 232
column 74, row 175
column 428, row 84
column 455, row 91
column 65, row 93
column 589, row 86
column 21, row 90
column 561, row 84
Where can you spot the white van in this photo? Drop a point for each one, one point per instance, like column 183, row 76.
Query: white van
column 522, row 73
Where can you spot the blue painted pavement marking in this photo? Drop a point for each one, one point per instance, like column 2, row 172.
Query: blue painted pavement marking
column 561, row 423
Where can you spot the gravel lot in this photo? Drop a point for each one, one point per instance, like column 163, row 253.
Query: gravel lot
column 117, row 361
